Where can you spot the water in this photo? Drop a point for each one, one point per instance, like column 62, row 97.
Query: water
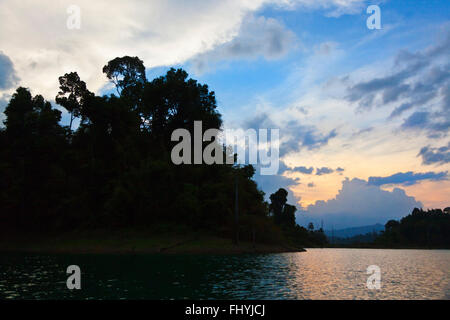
column 315, row 274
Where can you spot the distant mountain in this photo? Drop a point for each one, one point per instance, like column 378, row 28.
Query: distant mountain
column 350, row 232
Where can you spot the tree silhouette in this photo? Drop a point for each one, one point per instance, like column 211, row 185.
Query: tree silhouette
column 72, row 95
column 283, row 213
column 278, row 201
column 421, row 228
column 126, row 73
column 114, row 170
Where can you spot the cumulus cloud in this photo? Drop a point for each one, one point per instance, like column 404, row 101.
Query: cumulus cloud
column 359, row 203
column 419, row 83
column 257, row 37
column 8, row 77
column 435, row 155
column 408, row 178
column 159, row 32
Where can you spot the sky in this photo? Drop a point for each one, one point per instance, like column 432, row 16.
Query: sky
column 363, row 113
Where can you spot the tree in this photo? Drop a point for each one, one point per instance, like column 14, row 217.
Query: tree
column 30, row 165
column 278, row 201
column 114, row 170
column 72, row 95
column 311, row 227
column 391, row 225
column 283, row 213
column 421, row 228
column 173, row 101
column 289, row 215
column 18, row 111
column 127, row 74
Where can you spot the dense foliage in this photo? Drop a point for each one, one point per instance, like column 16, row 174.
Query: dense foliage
column 114, row 170
column 421, row 228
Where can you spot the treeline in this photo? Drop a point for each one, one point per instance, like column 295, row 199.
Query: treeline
column 114, row 170
column 355, row 240
column 422, row 229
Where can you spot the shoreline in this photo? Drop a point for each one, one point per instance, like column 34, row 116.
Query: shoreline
column 139, row 245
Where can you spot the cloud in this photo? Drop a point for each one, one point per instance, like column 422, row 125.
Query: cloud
column 363, row 131
column 3, row 103
column 323, row 171
column 332, row 8
column 303, row 170
column 408, row 178
column 400, row 109
column 311, row 185
column 294, row 135
column 418, row 119
column 359, row 203
column 257, row 37
column 8, row 77
column 418, row 82
column 160, row 32
column 435, row 155
column 259, row 121
column 283, row 167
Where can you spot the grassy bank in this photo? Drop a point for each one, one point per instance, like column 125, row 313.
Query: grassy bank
column 135, row 242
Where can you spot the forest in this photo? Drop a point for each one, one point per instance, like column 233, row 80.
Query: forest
column 113, row 169
column 428, row 229
column 421, row 229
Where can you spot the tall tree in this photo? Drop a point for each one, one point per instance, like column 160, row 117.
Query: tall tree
column 72, row 95
column 127, row 74
column 278, row 201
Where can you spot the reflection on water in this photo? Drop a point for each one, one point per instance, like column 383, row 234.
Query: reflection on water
column 315, row 274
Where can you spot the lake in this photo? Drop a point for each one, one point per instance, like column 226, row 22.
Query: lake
column 315, row 274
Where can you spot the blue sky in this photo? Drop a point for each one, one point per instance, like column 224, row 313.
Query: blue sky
column 373, row 103
column 409, row 26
